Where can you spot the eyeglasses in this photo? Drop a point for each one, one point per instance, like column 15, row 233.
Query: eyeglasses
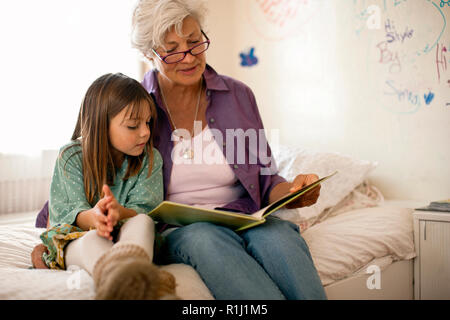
column 178, row 56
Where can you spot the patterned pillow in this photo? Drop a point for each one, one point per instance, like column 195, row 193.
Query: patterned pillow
column 352, row 172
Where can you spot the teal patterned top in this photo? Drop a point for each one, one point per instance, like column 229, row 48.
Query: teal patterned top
column 67, row 195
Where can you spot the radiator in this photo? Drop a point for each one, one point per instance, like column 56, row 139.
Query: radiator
column 23, row 195
column 25, row 181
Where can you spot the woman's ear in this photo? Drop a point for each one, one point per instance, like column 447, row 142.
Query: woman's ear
column 146, row 64
column 150, row 63
column 149, row 57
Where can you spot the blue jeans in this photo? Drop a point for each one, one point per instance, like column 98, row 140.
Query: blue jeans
column 271, row 261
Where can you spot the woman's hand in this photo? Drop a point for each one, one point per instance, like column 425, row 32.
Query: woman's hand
column 310, row 197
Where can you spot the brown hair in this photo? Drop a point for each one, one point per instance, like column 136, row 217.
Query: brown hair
column 105, row 98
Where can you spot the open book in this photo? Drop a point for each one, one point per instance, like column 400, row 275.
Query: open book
column 182, row 214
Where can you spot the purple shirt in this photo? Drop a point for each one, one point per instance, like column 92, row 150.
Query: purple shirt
column 232, row 106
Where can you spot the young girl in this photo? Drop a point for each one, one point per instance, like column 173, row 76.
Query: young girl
column 104, row 182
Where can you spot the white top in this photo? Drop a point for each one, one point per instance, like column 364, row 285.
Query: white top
column 206, row 180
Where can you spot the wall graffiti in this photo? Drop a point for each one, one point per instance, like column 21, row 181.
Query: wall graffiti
column 248, row 59
column 277, row 20
column 405, row 52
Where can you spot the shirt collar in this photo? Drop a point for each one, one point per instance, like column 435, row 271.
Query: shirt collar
column 213, row 80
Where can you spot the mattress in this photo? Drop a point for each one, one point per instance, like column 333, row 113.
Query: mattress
column 18, row 236
column 342, row 247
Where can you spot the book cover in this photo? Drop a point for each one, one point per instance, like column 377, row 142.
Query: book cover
column 181, row 214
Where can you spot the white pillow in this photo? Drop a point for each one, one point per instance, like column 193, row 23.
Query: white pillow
column 343, row 244
column 292, row 161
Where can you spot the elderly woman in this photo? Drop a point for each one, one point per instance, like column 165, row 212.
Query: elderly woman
column 197, row 108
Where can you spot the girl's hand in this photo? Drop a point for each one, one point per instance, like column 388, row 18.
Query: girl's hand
column 112, row 207
column 100, row 218
column 310, row 197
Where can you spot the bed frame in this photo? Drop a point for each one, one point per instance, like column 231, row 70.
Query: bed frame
column 396, row 279
column 397, row 283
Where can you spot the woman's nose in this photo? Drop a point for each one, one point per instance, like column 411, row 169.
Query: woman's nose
column 188, row 58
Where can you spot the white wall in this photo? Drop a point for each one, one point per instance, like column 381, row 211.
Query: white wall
column 51, row 52
column 326, row 81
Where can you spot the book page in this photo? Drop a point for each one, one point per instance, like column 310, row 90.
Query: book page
column 288, row 198
column 259, row 213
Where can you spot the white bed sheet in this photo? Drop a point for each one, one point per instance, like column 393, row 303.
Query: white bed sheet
column 18, row 236
column 343, row 244
column 340, row 246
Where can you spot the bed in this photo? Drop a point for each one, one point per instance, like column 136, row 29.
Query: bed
column 362, row 244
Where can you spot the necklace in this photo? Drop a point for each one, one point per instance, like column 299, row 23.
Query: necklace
column 187, row 152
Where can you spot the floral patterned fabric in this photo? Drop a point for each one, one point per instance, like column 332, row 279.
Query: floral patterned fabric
column 56, row 239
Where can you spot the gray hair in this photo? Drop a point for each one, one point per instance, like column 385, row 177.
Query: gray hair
column 152, row 19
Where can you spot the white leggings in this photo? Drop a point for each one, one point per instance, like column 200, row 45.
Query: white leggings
column 85, row 251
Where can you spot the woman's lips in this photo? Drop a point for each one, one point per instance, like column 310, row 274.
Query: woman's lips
column 189, row 71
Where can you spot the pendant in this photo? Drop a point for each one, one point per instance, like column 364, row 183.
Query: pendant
column 188, row 153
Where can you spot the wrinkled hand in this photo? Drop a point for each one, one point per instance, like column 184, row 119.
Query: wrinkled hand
column 310, row 197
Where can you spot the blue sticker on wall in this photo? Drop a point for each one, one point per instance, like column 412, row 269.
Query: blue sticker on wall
column 248, row 59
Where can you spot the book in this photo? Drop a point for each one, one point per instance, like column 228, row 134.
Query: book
column 442, row 206
column 181, row 214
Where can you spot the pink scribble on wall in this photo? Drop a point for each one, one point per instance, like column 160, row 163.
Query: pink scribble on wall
column 280, row 11
column 389, row 57
column 277, row 20
column 441, row 60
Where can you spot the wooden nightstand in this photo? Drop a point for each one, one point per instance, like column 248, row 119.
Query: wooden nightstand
column 432, row 264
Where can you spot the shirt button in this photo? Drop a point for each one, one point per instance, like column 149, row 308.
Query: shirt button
column 252, row 186
column 208, row 93
column 212, row 120
column 236, row 166
column 224, row 144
